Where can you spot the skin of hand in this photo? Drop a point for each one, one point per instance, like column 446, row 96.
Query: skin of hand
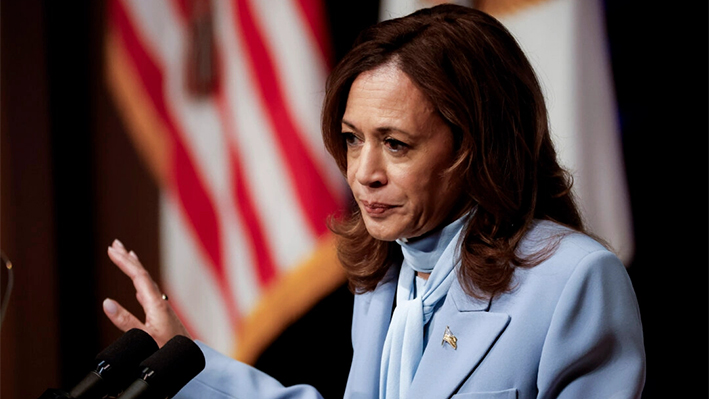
column 161, row 322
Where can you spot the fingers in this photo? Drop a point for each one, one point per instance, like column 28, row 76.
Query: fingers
column 161, row 322
column 147, row 291
column 129, row 264
column 120, row 317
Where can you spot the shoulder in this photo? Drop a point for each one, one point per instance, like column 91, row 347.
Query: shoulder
column 567, row 260
column 564, row 251
column 543, row 233
column 588, row 315
column 573, row 320
column 579, row 279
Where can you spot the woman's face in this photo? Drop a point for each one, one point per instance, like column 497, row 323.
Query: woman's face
column 398, row 148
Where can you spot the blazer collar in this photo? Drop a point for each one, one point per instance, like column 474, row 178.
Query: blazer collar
column 464, row 302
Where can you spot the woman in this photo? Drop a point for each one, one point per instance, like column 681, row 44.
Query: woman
column 473, row 275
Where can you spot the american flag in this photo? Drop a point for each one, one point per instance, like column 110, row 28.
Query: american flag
column 222, row 99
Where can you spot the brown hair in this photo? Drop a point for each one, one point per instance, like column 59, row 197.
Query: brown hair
column 476, row 76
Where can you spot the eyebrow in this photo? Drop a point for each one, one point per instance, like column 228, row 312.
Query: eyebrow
column 380, row 130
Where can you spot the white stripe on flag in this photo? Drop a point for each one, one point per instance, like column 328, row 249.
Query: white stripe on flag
column 186, row 276
column 389, row 9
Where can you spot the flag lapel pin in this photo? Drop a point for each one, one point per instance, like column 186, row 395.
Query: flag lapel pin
column 450, row 338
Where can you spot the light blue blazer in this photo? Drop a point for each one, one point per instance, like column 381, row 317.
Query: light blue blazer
column 570, row 328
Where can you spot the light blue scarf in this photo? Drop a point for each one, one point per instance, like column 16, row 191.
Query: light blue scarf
column 403, row 347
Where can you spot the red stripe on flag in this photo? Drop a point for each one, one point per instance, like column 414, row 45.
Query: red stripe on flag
column 315, row 198
column 314, row 15
column 185, row 181
column 264, row 262
column 265, row 266
column 183, row 8
column 241, row 195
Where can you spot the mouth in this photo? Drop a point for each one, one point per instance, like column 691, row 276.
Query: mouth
column 376, row 208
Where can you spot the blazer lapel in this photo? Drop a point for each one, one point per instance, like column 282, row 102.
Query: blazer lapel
column 372, row 315
column 443, row 369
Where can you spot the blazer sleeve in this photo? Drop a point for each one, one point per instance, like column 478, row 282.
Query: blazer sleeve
column 226, row 378
column 594, row 347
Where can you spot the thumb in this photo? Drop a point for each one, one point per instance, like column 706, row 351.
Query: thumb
column 120, row 317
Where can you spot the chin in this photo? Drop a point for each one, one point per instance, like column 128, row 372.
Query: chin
column 381, row 231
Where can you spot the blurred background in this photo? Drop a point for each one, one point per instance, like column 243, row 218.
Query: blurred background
column 110, row 111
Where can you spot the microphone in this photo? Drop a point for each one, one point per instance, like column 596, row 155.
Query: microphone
column 168, row 370
column 116, row 366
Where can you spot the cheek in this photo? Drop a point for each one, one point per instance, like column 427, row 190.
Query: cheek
column 350, row 173
column 415, row 185
column 428, row 190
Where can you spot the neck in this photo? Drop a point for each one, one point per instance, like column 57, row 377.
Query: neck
column 424, row 276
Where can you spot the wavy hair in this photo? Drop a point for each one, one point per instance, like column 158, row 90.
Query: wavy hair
column 477, row 78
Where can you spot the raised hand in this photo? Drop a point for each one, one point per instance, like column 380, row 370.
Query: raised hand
column 161, row 322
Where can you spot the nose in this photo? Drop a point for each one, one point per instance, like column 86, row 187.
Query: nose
column 371, row 168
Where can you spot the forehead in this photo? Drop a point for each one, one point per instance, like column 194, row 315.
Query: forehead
column 387, row 95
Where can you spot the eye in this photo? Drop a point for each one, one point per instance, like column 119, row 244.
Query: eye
column 350, row 139
column 395, row 146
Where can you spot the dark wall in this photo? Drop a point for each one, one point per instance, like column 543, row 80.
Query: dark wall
column 31, row 327
column 659, row 57
column 71, row 182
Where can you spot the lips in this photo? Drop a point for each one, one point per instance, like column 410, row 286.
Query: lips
column 376, row 208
